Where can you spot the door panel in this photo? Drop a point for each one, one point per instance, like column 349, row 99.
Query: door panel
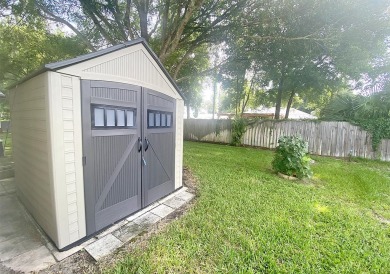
column 159, row 146
column 160, row 165
column 127, row 163
column 112, row 164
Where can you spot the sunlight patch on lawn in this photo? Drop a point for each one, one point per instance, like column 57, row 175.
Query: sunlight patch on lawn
column 321, row 208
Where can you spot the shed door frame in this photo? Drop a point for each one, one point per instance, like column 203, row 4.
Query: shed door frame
column 148, row 156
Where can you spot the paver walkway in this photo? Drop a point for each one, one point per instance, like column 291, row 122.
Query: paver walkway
column 25, row 248
column 124, row 231
column 21, row 245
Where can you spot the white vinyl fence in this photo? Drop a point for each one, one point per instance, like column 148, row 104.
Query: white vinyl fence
column 338, row 139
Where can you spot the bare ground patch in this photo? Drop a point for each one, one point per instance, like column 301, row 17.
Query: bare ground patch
column 380, row 218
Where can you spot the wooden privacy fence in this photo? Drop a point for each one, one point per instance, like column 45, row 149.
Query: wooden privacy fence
column 338, row 139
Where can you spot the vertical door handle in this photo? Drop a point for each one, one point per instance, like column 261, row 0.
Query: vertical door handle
column 139, row 144
column 147, row 144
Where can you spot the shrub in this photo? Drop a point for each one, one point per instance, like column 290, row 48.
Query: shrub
column 238, row 130
column 291, row 157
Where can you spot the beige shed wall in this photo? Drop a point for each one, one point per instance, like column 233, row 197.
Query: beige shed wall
column 66, row 143
column 179, row 143
column 31, row 150
column 133, row 65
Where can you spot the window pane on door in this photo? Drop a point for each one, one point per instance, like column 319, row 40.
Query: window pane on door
column 158, row 121
column 163, row 120
column 130, row 118
column 151, row 119
column 98, row 117
column 120, row 116
column 110, row 118
column 169, row 120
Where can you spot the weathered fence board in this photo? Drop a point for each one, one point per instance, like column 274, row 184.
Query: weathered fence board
column 338, row 139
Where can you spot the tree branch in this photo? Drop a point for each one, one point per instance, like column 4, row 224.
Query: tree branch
column 155, row 27
column 52, row 17
column 114, row 9
column 204, row 72
column 175, row 36
column 97, row 24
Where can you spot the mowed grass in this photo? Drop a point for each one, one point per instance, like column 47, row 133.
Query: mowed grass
column 248, row 220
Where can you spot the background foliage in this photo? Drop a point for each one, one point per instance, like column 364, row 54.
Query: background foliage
column 372, row 112
column 297, row 53
column 25, row 47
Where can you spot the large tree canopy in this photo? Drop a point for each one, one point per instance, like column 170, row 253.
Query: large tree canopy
column 297, row 48
column 167, row 25
column 176, row 30
column 307, row 47
column 24, row 48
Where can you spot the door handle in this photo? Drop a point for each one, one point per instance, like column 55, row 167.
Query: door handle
column 139, row 144
column 147, row 144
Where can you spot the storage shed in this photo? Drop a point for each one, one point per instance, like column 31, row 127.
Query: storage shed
column 95, row 139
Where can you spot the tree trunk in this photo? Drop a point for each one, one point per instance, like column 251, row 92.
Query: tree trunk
column 238, row 99
column 247, row 97
column 214, row 93
column 143, row 9
column 289, row 103
column 245, row 102
column 279, row 99
column 188, row 112
column 164, row 24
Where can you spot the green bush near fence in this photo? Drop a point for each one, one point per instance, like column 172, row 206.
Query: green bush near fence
column 291, row 157
column 238, row 130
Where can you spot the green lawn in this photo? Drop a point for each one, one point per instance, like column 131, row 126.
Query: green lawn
column 248, row 220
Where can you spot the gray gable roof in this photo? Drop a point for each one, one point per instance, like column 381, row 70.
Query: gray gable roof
column 66, row 63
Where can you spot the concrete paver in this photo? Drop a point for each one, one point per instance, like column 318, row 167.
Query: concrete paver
column 17, row 246
column 162, row 210
column 186, row 196
column 103, row 246
column 128, row 232
column 13, row 229
column 142, row 211
column 175, row 202
column 111, row 229
column 147, row 219
column 21, row 245
column 7, row 186
column 17, row 234
column 2, row 190
column 60, row 255
column 34, row 260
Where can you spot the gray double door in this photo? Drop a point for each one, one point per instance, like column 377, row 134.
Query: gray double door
column 128, row 150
